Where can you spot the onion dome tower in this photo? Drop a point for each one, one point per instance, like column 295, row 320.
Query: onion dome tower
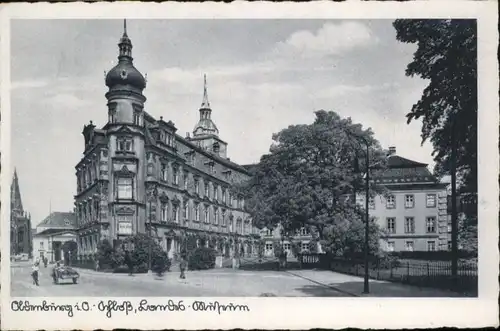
column 205, row 125
column 125, row 83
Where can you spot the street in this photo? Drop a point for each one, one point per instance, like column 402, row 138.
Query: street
column 216, row 282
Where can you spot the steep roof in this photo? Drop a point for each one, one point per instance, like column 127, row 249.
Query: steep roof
column 59, row 220
column 402, row 171
column 396, row 161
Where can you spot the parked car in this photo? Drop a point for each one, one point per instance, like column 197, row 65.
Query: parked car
column 21, row 257
column 63, row 273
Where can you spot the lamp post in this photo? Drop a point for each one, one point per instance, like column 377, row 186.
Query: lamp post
column 151, row 199
column 366, row 285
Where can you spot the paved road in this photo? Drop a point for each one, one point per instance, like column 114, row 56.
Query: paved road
column 215, row 283
column 218, row 282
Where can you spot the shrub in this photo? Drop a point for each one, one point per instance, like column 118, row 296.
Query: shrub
column 140, row 254
column 161, row 263
column 117, row 258
column 202, row 258
column 104, row 253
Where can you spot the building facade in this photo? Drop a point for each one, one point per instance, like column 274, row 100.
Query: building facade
column 137, row 175
column 53, row 234
column 20, row 222
column 413, row 212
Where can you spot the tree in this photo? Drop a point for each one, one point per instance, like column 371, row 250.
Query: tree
column 310, row 175
column 447, row 57
column 104, row 253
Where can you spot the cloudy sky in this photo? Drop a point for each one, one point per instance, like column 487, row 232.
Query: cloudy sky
column 263, row 75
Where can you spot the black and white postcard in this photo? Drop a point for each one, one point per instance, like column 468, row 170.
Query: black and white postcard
column 249, row 165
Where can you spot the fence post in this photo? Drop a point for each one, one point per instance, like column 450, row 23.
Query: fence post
column 390, row 266
column 378, row 269
column 408, row 272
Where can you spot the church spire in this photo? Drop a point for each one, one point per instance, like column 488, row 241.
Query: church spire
column 205, row 104
column 16, row 203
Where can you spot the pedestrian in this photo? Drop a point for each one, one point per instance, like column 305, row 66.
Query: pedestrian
column 128, row 262
column 45, row 261
column 182, row 266
column 54, row 272
column 34, row 273
column 96, row 264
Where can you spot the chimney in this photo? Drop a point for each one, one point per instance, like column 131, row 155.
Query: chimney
column 392, row 150
column 187, row 135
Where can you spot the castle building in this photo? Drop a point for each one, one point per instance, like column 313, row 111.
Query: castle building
column 20, row 222
column 413, row 214
column 137, row 175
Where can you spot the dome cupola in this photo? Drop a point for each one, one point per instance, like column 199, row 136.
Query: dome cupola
column 124, row 73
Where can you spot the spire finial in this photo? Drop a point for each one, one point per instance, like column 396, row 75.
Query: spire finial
column 205, row 103
column 125, row 26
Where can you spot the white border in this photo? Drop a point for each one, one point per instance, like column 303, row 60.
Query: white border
column 291, row 313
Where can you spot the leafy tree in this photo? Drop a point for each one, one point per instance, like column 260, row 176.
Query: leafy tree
column 140, row 254
column 447, row 57
column 104, row 253
column 310, row 176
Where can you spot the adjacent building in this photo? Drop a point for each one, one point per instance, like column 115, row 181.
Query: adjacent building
column 413, row 213
column 138, row 175
column 52, row 234
column 20, row 222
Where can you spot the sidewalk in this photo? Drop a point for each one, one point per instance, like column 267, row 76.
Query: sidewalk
column 354, row 285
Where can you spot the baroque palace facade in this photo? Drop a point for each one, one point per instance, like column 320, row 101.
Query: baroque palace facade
column 137, row 175
column 414, row 212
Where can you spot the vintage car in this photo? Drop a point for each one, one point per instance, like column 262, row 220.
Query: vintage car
column 63, row 273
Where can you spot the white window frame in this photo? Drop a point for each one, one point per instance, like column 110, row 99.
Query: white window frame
column 125, row 191
column 433, row 205
column 409, row 229
column 206, row 215
column 432, row 222
column 164, row 211
column 164, row 172
column 409, row 201
column 175, row 213
column 197, row 212
column 409, row 244
column 223, row 221
column 176, row 176
column 207, row 191
column 432, row 244
column 389, row 228
column 390, row 202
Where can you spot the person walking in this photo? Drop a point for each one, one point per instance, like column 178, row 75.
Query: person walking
column 54, row 272
column 34, row 272
column 182, row 266
column 128, row 262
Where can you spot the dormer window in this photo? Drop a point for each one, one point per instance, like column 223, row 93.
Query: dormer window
column 124, row 145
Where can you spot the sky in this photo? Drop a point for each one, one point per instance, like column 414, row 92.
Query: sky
column 263, row 75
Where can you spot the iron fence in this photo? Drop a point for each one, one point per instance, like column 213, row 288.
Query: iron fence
column 434, row 274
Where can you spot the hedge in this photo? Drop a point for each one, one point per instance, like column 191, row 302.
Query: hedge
column 202, row 258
